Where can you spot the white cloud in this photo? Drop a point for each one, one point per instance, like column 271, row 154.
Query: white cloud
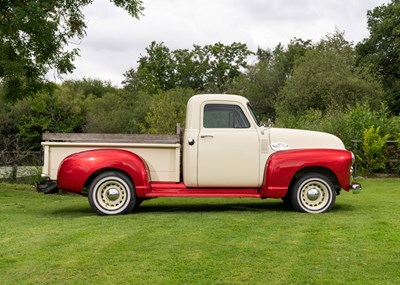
column 115, row 40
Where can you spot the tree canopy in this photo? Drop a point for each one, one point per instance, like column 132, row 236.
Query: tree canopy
column 262, row 82
column 380, row 52
column 34, row 36
column 326, row 78
column 210, row 68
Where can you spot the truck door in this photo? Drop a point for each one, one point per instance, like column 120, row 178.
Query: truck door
column 228, row 147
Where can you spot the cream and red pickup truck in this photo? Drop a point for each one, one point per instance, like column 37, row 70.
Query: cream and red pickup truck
column 224, row 152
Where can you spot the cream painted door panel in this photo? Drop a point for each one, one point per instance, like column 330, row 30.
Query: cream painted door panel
column 228, row 158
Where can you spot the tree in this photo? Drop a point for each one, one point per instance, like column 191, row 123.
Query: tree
column 210, row 68
column 380, row 52
column 34, row 36
column 61, row 111
column 116, row 112
column 155, row 71
column 89, row 87
column 262, row 82
column 223, row 64
column 326, row 78
column 166, row 110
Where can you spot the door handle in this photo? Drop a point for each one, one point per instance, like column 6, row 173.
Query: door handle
column 206, row 136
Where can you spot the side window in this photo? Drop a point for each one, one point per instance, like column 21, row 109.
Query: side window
column 224, row 116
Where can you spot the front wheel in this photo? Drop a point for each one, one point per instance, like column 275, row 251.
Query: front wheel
column 112, row 193
column 313, row 193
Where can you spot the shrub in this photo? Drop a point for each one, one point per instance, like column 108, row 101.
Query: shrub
column 372, row 156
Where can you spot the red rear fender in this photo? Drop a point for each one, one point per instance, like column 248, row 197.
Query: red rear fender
column 79, row 168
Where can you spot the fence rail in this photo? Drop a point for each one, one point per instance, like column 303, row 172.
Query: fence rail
column 17, row 164
column 388, row 141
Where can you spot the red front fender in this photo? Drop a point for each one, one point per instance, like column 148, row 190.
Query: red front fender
column 283, row 166
column 76, row 169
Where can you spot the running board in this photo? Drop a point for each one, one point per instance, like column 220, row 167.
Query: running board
column 180, row 190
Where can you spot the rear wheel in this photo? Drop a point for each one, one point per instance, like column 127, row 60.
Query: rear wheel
column 112, row 193
column 313, row 193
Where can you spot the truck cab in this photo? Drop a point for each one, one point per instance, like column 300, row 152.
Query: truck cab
column 222, row 143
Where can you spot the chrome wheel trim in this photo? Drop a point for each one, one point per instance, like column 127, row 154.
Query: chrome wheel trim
column 315, row 195
column 111, row 195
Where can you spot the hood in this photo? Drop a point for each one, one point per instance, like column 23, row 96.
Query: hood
column 284, row 139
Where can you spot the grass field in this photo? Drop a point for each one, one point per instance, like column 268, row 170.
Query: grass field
column 57, row 239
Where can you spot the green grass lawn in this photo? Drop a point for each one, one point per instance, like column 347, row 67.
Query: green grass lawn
column 57, row 239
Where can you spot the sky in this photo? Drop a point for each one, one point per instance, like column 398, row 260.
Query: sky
column 115, row 40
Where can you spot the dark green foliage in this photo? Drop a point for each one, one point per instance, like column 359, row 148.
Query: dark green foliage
column 326, row 77
column 262, row 82
column 6, row 122
column 206, row 69
column 380, row 52
column 34, row 37
column 90, row 87
column 166, row 109
column 59, row 112
column 117, row 112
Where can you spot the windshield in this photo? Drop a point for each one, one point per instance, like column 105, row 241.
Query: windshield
column 254, row 115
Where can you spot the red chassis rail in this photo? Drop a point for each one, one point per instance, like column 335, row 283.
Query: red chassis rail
column 282, row 168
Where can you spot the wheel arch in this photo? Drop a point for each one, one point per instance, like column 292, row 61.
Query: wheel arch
column 316, row 169
column 77, row 171
column 98, row 172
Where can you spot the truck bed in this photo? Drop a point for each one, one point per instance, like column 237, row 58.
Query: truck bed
column 161, row 152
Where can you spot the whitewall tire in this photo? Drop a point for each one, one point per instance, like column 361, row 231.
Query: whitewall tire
column 112, row 193
column 313, row 193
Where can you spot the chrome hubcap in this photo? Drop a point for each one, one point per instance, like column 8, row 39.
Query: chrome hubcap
column 312, row 194
column 112, row 194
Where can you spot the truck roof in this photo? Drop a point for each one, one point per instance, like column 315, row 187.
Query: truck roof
column 193, row 111
column 196, row 99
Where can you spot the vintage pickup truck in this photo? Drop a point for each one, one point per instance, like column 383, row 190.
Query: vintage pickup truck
column 224, row 152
